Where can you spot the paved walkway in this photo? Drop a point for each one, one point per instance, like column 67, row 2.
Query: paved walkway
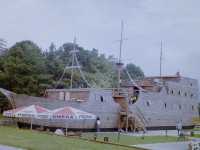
column 165, row 146
column 156, row 133
column 3, row 147
column 162, row 146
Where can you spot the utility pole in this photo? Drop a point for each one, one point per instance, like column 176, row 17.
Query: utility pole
column 121, row 41
column 119, row 64
column 161, row 53
column 73, row 52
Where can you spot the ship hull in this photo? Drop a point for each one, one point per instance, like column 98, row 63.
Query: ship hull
column 158, row 109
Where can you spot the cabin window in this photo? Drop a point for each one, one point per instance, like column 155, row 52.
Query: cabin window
column 179, row 92
column 165, row 104
column 148, row 103
column 61, row 95
column 185, row 94
column 172, row 92
column 191, row 84
column 179, row 107
column 191, row 95
column 192, row 107
column 101, row 98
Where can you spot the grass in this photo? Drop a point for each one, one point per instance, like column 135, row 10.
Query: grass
column 196, row 136
column 1, row 116
column 196, row 129
column 32, row 140
column 133, row 140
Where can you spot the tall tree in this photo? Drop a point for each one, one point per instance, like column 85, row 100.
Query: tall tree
column 23, row 69
column 134, row 71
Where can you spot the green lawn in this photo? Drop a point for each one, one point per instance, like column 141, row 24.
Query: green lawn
column 1, row 116
column 196, row 135
column 132, row 140
column 33, row 140
column 196, row 129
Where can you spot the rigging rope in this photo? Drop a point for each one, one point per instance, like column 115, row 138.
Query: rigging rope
column 61, row 78
column 79, row 68
column 129, row 76
column 131, row 79
column 82, row 74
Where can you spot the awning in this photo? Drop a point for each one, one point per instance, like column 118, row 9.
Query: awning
column 32, row 111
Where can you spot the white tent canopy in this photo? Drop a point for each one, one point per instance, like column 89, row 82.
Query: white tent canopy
column 38, row 112
column 32, row 111
column 11, row 113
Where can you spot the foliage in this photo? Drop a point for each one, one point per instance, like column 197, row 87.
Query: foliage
column 134, row 71
column 99, row 70
column 196, row 135
column 4, row 104
column 25, row 68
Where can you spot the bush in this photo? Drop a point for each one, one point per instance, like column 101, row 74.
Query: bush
column 192, row 133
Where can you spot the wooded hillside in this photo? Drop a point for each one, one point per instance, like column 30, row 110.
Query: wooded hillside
column 26, row 68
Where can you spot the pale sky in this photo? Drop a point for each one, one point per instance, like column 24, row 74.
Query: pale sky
column 96, row 24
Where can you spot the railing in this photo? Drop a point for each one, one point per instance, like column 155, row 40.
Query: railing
column 141, row 115
column 120, row 91
column 7, row 121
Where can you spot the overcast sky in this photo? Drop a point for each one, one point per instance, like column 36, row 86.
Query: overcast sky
column 96, row 24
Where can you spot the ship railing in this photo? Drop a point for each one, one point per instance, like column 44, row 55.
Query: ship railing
column 141, row 115
column 120, row 91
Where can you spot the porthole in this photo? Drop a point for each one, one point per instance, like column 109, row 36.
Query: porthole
column 192, row 107
column 179, row 107
column 179, row 92
column 185, row 94
column 172, row 92
column 101, row 98
column 191, row 95
column 165, row 104
column 148, row 103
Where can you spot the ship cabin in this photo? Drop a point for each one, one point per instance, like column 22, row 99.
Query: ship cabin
column 79, row 95
column 174, row 85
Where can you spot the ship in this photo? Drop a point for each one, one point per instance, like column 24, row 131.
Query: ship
column 153, row 102
column 149, row 103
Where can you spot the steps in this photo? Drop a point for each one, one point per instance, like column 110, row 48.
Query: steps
column 129, row 119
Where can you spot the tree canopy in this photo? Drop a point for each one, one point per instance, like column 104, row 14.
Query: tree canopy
column 26, row 68
column 22, row 68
